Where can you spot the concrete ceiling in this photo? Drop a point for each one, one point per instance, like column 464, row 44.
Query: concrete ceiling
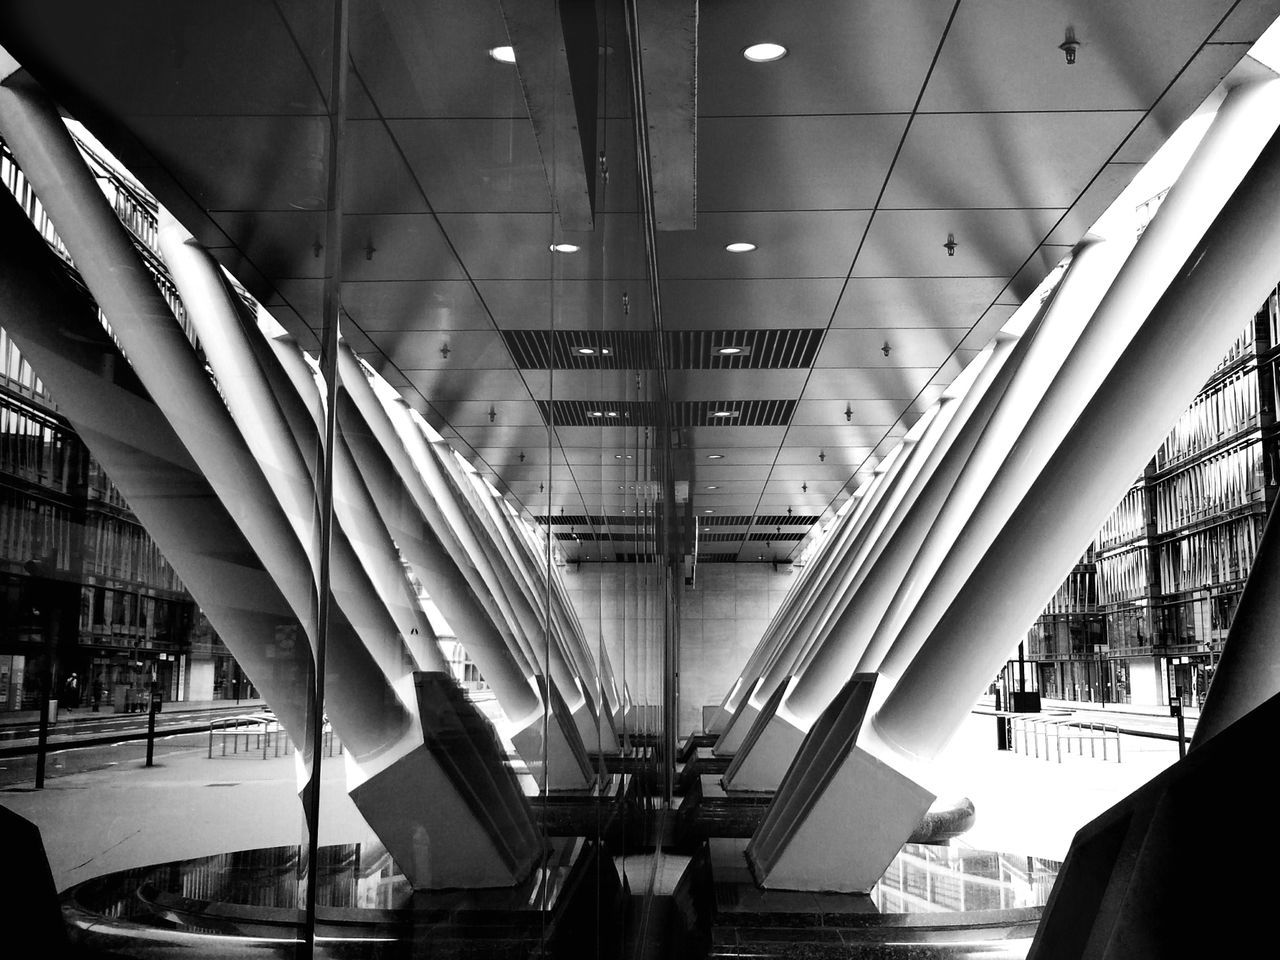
column 890, row 126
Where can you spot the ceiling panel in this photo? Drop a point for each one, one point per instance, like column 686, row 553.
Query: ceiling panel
column 794, row 162
column 1003, row 159
column 717, row 304
column 989, row 243
column 490, row 165
column 866, row 57
column 566, row 303
column 901, row 383
column 879, row 349
column 1128, row 53
column 916, row 301
column 517, row 246
column 815, row 243
column 440, row 306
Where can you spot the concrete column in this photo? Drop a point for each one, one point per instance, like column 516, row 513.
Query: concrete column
column 166, row 364
column 418, row 524
column 1217, row 288
column 907, row 459
column 255, row 393
column 796, row 603
column 1234, row 139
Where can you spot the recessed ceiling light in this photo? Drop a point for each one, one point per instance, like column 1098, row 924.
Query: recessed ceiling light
column 740, row 247
column 730, row 351
column 727, row 413
column 506, row 54
column 564, row 248
column 595, row 413
column 587, row 351
column 706, row 529
column 764, row 52
column 612, row 413
column 715, row 456
column 708, row 511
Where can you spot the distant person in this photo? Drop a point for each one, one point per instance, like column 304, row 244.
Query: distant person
column 71, row 692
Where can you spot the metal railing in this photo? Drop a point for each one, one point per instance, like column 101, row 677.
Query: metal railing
column 261, row 735
column 1051, row 733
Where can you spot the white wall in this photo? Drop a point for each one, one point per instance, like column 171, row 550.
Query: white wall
column 1145, row 687
column 722, row 618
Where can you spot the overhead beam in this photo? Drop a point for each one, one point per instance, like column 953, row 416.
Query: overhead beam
column 557, row 52
column 668, row 38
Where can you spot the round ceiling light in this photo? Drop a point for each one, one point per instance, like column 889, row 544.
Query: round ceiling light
column 712, row 486
column 715, row 456
column 729, row 351
column 595, row 413
column 740, row 246
column 726, row 413
column 612, row 413
column 587, row 351
column 708, row 511
column 764, row 52
column 503, row 54
column 564, row 248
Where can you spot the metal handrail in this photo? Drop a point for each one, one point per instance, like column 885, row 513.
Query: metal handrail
column 264, row 735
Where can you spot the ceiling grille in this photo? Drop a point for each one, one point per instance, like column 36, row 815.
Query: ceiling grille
column 727, row 520
column 701, row 413
column 596, row 413
column 717, row 557
column 719, row 537
column 760, row 349
column 775, row 349
column 568, row 349
column 588, row 536
column 777, row 536
column 596, row 520
column 732, row 413
column 786, row 520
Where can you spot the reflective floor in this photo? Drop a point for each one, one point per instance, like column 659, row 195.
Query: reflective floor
column 242, row 903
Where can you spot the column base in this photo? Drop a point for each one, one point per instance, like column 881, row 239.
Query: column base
column 450, row 812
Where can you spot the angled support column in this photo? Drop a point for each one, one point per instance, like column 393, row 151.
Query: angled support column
column 370, row 718
column 371, row 426
column 1244, row 121
column 908, row 459
column 261, row 398
column 777, row 733
column 1227, row 273
column 1192, row 326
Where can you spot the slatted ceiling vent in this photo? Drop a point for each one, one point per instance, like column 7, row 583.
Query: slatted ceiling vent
column 760, row 349
column 727, row 520
column 701, row 413
column 777, row 536
column 717, row 557
column 583, row 520
column 732, row 413
column 720, row 537
column 564, row 349
column 776, row 349
column 587, row 536
column 787, row 520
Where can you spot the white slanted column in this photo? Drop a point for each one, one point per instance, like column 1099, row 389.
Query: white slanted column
column 1194, row 323
column 558, row 760
column 778, row 731
column 278, row 427
column 470, row 841
column 57, row 329
column 367, row 714
column 1216, row 287
column 797, row 603
column 1248, row 674
column 778, row 671
column 1244, row 121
